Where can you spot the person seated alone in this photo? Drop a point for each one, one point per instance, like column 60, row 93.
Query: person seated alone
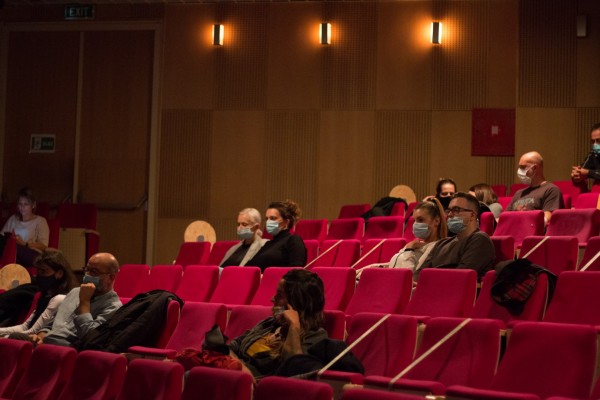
column 539, row 194
column 86, row 306
column 470, row 248
column 286, row 343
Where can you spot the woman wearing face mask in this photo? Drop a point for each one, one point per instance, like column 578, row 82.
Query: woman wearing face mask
column 429, row 227
column 54, row 279
column 444, row 191
column 248, row 230
column 286, row 249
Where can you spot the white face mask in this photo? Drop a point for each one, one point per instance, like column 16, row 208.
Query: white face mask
column 522, row 174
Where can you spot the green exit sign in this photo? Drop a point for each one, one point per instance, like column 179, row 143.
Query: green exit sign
column 42, row 144
column 79, row 11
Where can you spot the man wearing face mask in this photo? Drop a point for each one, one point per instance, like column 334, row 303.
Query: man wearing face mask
column 470, row 248
column 248, row 230
column 591, row 166
column 86, row 306
column 540, row 194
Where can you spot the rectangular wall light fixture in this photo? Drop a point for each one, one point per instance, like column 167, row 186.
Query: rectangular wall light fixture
column 436, row 32
column 218, row 32
column 325, row 33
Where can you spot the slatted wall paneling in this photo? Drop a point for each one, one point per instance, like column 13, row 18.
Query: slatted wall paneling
column 547, row 53
column 241, row 63
column 291, row 157
column 459, row 63
column 349, row 64
column 500, row 171
column 402, row 152
column 184, row 177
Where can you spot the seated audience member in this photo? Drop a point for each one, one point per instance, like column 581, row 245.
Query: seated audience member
column 285, row 249
column 485, row 194
column 248, row 230
column 29, row 230
column 54, row 279
column 429, row 227
column 87, row 306
column 591, row 166
column 286, row 343
column 470, row 248
column 444, row 191
column 540, row 194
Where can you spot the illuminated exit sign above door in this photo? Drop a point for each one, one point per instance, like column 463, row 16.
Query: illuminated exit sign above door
column 79, row 11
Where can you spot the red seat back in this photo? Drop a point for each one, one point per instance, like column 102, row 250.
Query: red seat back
column 339, row 284
column 384, row 228
column 347, row 228
column 268, row 285
column 520, row 224
column 13, row 364
column 353, row 210
column 193, row 253
column 152, row 379
column 217, row 384
column 198, row 282
column 196, row 319
column 557, row 253
column 237, row 285
column 163, row 277
column 311, row 229
column 581, row 223
column 218, row 250
column 396, row 283
column 131, row 279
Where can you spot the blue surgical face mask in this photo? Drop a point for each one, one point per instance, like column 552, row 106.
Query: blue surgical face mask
column 421, row 230
column 92, row 279
column 456, row 225
column 245, row 233
column 596, row 148
column 273, row 227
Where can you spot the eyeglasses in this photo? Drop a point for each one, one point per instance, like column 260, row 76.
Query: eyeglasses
column 94, row 272
column 456, row 210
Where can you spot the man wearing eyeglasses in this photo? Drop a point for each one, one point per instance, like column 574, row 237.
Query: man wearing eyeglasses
column 470, row 248
column 591, row 166
column 87, row 306
column 539, row 194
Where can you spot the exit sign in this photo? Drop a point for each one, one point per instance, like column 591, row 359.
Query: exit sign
column 42, row 144
column 78, row 11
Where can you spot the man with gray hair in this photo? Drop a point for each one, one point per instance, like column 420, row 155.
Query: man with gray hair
column 248, row 230
column 539, row 194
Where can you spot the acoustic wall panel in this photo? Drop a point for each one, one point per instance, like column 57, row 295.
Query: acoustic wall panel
column 241, row 63
column 547, row 53
column 500, row 170
column 402, row 152
column 349, row 63
column 291, row 158
column 459, row 62
column 184, row 176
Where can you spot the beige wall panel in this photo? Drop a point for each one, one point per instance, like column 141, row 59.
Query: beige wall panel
column 588, row 78
column 237, row 168
column 41, row 95
column 550, row 132
column 120, row 234
column 502, row 52
column 346, row 151
column 185, row 164
column 350, row 62
column 291, row 158
column 460, row 61
column 402, row 151
column 547, row 53
column 241, row 81
column 586, row 117
column 115, row 127
column 500, row 171
column 169, row 237
column 404, row 55
column 451, row 151
column 189, row 56
column 295, row 56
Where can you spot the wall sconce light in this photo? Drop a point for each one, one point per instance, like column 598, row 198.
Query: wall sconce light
column 325, row 32
column 218, row 32
column 436, row 32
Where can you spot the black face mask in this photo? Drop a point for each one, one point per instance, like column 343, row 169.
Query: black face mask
column 445, row 201
column 45, row 283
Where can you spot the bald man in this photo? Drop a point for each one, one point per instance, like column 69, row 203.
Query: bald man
column 87, row 306
column 540, row 194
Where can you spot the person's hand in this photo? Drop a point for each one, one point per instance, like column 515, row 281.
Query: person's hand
column 576, row 173
column 584, row 173
column 428, row 198
column 86, row 292
column 37, row 338
column 19, row 240
column 416, row 244
column 292, row 317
